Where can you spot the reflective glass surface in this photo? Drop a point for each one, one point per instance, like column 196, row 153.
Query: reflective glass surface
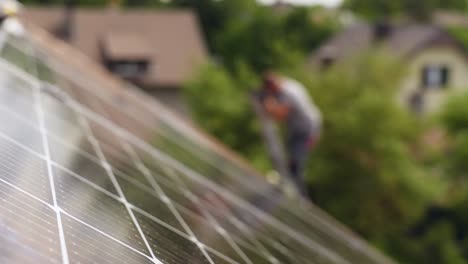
column 94, row 171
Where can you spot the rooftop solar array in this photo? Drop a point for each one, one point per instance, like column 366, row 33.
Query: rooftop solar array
column 94, row 171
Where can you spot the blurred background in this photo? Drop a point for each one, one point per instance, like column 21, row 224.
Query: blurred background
column 390, row 76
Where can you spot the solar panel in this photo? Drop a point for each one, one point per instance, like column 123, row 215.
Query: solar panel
column 94, row 171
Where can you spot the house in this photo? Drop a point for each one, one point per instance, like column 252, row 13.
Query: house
column 155, row 50
column 437, row 63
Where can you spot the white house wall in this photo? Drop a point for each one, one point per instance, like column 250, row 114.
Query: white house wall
column 458, row 76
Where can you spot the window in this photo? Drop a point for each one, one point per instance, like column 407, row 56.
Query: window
column 128, row 68
column 435, row 76
column 326, row 62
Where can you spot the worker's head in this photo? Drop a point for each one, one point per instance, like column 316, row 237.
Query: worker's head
column 271, row 82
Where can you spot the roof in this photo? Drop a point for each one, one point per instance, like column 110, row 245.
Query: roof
column 450, row 18
column 171, row 38
column 118, row 45
column 402, row 40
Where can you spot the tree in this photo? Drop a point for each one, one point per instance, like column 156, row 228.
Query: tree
column 363, row 171
column 226, row 113
column 214, row 15
column 267, row 39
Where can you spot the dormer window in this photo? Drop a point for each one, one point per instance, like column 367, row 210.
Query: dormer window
column 127, row 55
column 128, row 68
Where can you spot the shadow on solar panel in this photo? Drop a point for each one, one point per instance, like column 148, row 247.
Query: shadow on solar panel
column 92, row 171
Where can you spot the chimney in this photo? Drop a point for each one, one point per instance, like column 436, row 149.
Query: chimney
column 65, row 31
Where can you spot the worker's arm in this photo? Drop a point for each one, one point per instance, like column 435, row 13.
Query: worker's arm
column 276, row 109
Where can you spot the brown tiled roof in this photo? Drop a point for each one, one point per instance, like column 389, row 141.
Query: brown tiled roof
column 172, row 38
column 403, row 40
column 124, row 45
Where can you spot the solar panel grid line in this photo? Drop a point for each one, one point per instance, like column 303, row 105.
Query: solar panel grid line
column 58, row 209
column 216, row 226
column 159, row 221
column 105, row 234
column 267, row 255
column 223, row 257
column 22, row 146
column 28, row 194
column 71, row 146
column 38, row 83
column 337, row 230
column 40, row 115
column 248, row 233
column 133, row 207
column 253, row 209
column 219, row 229
column 26, row 224
column 194, row 175
column 147, row 173
column 88, row 182
column 155, row 186
column 84, row 180
column 211, row 219
column 116, row 184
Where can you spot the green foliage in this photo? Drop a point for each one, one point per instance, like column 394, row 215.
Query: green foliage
column 455, row 114
column 365, row 149
column 266, row 40
column 220, row 104
column 215, row 15
column 459, row 33
column 455, row 119
column 438, row 244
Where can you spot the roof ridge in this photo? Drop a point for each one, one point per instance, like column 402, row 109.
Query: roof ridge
column 181, row 10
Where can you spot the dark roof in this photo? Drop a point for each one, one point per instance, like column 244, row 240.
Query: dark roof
column 402, row 40
column 171, row 38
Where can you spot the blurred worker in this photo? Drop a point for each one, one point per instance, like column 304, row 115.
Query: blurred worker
column 288, row 102
column 8, row 17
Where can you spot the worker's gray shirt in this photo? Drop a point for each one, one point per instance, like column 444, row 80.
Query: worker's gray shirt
column 303, row 117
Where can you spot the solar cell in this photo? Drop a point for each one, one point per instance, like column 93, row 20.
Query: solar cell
column 92, row 171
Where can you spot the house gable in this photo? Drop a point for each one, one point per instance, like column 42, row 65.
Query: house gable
column 437, row 63
column 173, row 41
column 443, row 57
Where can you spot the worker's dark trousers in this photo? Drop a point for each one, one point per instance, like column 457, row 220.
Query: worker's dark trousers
column 298, row 149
